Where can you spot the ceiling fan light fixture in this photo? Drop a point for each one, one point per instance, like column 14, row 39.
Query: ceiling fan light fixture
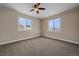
column 36, row 9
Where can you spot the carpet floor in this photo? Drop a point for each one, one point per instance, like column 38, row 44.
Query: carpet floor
column 39, row 46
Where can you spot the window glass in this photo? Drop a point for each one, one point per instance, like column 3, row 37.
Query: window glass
column 57, row 24
column 54, row 24
column 50, row 25
column 28, row 24
column 24, row 24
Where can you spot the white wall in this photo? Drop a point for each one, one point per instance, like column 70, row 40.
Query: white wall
column 69, row 26
column 9, row 26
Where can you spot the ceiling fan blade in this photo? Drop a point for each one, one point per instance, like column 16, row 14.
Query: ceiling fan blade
column 35, row 6
column 38, row 4
column 41, row 8
column 37, row 12
column 32, row 10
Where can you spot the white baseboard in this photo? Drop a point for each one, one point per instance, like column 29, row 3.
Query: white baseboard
column 17, row 40
column 74, row 42
column 38, row 36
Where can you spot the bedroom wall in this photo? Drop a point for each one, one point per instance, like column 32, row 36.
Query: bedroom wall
column 69, row 26
column 9, row 26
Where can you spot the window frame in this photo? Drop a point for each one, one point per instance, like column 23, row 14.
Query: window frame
column 54, row 27
column 25, row 25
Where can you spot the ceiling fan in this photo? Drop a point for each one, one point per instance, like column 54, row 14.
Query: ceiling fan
column 36, row 7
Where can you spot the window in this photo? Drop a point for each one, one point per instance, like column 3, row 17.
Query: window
column 54, row 24
column 28, row 24
column 57, row 24
column 50, row 25
column 24, row 24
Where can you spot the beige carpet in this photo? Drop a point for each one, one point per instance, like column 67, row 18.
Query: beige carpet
column 40, row 46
